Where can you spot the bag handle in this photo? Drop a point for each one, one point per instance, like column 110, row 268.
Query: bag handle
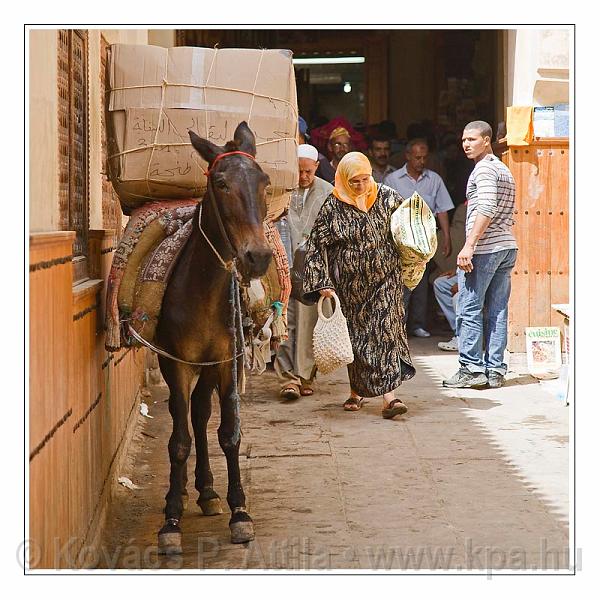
column 335, row 311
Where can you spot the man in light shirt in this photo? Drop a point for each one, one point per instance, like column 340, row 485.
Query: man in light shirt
column 414, row 177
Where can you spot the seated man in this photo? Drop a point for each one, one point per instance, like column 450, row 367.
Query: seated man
column 414, row 177
column 445, row 288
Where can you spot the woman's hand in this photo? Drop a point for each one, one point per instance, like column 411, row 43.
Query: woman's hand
column 327, row 292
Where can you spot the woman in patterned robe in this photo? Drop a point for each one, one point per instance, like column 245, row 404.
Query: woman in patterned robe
column 351, row 251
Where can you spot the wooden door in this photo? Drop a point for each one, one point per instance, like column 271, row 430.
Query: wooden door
column 541, row 275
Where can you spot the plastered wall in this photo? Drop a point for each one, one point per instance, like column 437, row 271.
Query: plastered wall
column 43, row 124
column 538, row 66
column 43, row 131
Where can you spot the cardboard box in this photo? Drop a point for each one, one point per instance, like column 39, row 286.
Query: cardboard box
column 158, row 94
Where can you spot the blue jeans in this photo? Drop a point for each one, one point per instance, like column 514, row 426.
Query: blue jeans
column 487, row 287
column 416, row 315
column 441, row 289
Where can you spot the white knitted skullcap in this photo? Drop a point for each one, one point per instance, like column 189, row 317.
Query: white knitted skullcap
column 308, row 151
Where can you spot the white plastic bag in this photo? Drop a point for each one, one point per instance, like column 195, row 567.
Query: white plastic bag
column 331, row 341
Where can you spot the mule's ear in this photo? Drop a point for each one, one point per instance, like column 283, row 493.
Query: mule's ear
column 207, row 150
column 244, row 138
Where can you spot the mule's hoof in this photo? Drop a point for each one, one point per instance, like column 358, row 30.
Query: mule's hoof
column 242, row 531
column 169, row 543
column 211, row 507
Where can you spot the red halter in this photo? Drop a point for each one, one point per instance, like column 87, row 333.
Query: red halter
column 220, row 156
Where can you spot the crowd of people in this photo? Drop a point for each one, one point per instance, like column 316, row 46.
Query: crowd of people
column 340, row 214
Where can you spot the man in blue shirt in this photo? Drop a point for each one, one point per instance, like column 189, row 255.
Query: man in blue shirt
column 414, row 177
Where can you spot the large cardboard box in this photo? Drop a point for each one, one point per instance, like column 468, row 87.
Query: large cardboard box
column 157, row 94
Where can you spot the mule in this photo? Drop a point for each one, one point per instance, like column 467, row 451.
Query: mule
column 196, row 325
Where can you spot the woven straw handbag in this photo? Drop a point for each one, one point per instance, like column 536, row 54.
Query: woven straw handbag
column 332, row 348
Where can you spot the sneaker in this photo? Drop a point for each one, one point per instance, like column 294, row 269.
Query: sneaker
column 495, row 380
column 463, row 378
column 450, row 345
column 420, row 332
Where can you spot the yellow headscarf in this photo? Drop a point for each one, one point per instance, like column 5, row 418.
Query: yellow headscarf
column 352, row 165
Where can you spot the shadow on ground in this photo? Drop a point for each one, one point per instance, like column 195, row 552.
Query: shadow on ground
column 328, row 489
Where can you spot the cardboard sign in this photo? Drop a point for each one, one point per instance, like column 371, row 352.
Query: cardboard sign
column 544, row 357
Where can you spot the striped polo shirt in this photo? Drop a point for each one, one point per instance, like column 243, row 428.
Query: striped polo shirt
column 491, row 192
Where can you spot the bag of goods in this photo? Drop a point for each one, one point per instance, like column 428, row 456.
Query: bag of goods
column 414, row 232
column 156, row 95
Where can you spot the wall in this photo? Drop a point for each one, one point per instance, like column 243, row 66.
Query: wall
column 43, row 124
column 82, row 402
column 537, row 65
column 82, row 399
column 411, row 71
column 126, row 36
column 538, row 60
column 95, row 133
column 43, row 131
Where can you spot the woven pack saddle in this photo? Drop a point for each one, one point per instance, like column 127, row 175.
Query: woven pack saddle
column 144, row 260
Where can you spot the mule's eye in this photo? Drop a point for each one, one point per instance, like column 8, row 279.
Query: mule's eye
column 221, row 184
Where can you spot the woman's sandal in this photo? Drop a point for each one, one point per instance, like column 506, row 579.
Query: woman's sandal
column 306, row 390
column 396, row 407
column 290, row 392
column 353, row 404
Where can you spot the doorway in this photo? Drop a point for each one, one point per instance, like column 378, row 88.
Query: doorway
column 326, row 91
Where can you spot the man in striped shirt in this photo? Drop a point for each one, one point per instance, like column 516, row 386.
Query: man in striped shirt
column 485, row 264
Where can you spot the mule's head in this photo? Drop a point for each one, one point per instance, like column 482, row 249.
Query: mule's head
column 239, row 188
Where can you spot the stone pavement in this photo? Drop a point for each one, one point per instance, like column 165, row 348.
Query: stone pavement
column 467, row 479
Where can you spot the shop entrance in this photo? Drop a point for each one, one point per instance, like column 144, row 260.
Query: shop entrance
column 408, row 75
column 328, row 89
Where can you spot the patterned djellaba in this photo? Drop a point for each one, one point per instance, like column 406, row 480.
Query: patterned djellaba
column 353, row 252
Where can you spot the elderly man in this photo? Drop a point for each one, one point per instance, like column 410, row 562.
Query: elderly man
column 294, row 363
column 414, row 177
column 379, row 155
column 485, row 264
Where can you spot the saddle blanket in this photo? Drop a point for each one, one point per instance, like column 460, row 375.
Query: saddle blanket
column 143, row 263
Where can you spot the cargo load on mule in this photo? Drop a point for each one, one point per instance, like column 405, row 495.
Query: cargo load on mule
column 156, row 96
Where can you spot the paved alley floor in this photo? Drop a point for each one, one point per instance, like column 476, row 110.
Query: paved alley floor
column 466, row 480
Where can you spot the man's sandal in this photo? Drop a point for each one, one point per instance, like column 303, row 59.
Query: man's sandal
column 396, row 407
column 353, row 404
column 306, row 390
column 290, row 392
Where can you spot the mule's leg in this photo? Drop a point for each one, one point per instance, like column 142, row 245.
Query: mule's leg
column 184, row 493
column 178, row 379
column 240, row 524
column 208, row 499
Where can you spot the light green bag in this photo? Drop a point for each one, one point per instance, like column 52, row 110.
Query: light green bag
column 414, row 231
